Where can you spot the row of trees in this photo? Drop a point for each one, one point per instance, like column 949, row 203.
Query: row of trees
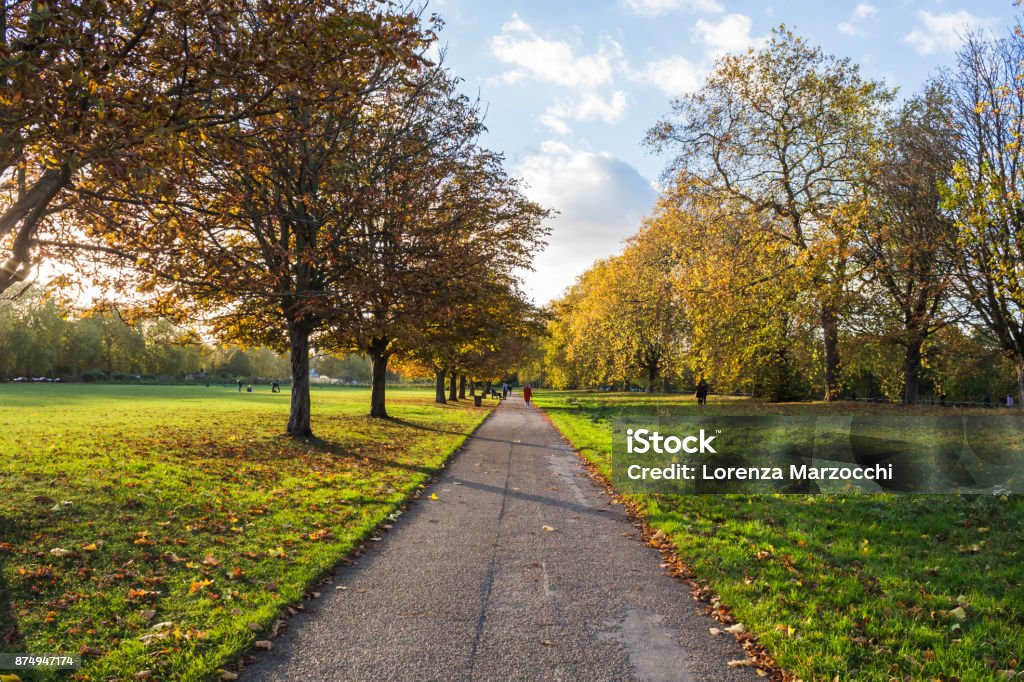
column 38, row 337
column 813, row 236
column 287, row 173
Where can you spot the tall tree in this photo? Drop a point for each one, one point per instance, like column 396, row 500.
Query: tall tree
column 786, row 131
column 251, row 228
column 905, row 240
column 986, row 195
column 441, row 217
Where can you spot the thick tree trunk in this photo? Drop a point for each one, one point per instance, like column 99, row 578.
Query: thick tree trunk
column 830, row 331
column 299, row 417
column 911, row 370
column 666, row 387
column 453, row 387
column 472, row 389
column 1020, row 383
column 652, row 374
column 439, row 387
column 462, row 387
column 379, row 369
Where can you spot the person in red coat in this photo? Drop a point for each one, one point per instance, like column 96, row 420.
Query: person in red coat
column 527, row 394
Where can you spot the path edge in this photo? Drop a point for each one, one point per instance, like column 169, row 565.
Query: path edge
column 676, row 567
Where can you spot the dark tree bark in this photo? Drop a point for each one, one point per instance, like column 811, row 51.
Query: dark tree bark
column 298, row 418
column 830, row 331
column 652, row 375
column 439, row 387
column 472, row 388
column 911, row 370
column 666, row 387
column 379, row 373
column 462, row 387
column 453, row 387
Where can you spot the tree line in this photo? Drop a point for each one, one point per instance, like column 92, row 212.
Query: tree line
column 286, row 174
column 41, row 338
column 816, row 238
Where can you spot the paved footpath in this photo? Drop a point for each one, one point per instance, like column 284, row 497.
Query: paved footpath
column 471, row 586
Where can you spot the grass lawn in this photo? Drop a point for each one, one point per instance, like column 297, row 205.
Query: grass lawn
column 164, row 528
column 880, row 587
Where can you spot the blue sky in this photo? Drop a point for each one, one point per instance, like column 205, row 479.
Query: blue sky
column 571, row 86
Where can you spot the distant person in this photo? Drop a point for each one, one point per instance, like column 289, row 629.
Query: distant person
column 275, row 387
column 249, row 389
column 702, row 392
column 505, row 391
column 1009, row 400
column 527, row 394
column 239, row 385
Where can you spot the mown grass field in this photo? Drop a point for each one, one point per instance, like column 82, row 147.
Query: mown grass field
column 163, row 529
column 883, row 587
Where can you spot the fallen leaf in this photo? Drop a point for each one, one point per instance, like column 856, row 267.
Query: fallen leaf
column 549, row 529
column 199, row 585
column 746, row 663
column 61, row 552
column 737, row 629
column 433, row 496
column 91, row 547
column 264, row 644
column 147, row 614
column 715, row 632
column 209, row 560
column 959, row 613
column 143, row 674
column 228, row 676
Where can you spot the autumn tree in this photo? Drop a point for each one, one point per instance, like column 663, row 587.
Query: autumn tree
column 905, row 241
column 786, row 131
column 986, row 195
column 251, row 228
column 97, row 93
column 439, row 218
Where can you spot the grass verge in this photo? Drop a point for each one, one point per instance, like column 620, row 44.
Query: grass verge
column 163, row 529
column 883, row 587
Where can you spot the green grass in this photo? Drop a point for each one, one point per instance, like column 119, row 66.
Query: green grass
column 847, row 587
column 185, row 505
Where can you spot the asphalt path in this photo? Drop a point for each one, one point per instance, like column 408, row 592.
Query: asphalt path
column 521, row 569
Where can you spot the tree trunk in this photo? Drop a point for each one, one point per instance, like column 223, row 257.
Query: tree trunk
column 299, row 417
column 472, row 389
column 830, row 331
column 379, row 369
column 911, row 370
column 666, row 387
column 439, row 387
column 453, row 387
column 1020, row 383
column 462, row 387
column 652, row 374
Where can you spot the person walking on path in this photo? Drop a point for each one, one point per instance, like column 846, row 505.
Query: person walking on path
column 702, row 392
column 527, row 394
column 504, row 391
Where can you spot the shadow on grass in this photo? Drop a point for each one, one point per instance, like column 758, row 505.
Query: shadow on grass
column 10, row 639
column 336, row 450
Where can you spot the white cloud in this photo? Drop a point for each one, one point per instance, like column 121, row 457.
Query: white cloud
column 601, row 200
column 590, row 106
column 553, row 61
column 673, row 75
column 730, row 34
column 854, row 26
column 658, row 7
column 942, row 32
